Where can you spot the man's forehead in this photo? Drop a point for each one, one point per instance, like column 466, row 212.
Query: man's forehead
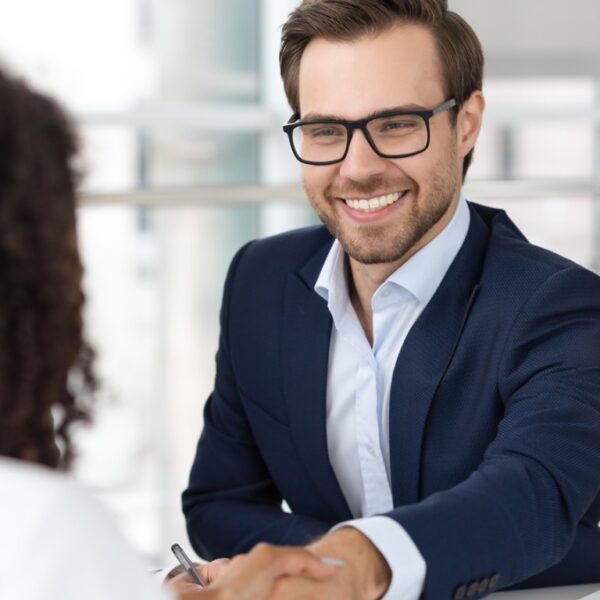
column 352, row 78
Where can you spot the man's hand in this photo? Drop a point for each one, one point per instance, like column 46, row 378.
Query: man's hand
column 365, row 576
column 211, row 571
column 179, row 580
column 182, row 584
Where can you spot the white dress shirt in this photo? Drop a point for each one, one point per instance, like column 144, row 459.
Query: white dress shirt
column 358, row 390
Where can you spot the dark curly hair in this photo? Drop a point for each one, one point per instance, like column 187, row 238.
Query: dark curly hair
column 46, row 374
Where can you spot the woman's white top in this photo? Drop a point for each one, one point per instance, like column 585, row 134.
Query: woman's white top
column 59, row 543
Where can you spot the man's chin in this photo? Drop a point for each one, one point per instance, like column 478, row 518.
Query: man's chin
column 373, row 256
column 375, row 259
column 366, row 247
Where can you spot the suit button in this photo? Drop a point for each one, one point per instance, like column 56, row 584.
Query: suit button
column 483, row 586
column 472, row 589
column 494, row 581
column 460, row 593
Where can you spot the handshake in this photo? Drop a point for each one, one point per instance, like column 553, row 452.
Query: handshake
column 270, row 572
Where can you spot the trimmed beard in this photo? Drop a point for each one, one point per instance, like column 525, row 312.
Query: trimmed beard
column 369, row 243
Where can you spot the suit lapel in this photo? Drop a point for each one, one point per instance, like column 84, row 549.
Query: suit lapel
column 424, row 357
column 305, row 358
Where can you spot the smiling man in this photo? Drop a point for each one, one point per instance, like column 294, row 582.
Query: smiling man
column 415, row 379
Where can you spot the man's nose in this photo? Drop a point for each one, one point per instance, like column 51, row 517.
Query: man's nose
column 361, row 161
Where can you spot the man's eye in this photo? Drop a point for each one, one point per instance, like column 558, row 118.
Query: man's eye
column 400, row 125
column 323, row 132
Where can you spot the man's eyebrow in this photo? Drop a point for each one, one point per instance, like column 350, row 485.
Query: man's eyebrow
column 313, row 116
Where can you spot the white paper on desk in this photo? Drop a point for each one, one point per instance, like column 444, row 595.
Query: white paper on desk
column 594, row 596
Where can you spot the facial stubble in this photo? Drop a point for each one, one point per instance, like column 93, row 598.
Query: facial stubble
column 378, row 243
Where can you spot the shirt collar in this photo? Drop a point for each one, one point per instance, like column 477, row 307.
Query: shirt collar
column 434, row 259
column 332, row 283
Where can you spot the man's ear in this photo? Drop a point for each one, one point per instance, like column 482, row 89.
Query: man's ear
column 468, row 122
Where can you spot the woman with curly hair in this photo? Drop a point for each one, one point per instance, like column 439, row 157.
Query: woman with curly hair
column 56, row 541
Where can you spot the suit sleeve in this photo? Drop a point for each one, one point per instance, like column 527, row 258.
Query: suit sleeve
column 517, row 514
column 231, row 502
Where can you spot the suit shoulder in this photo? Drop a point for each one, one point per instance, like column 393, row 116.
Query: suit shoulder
column 261, row 269
column 512, row 255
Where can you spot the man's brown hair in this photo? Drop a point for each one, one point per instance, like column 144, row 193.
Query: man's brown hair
column 458, row 47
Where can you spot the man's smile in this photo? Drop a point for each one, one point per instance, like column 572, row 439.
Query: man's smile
column 375, row 203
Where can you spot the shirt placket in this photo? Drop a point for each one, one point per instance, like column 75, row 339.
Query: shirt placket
column 377, row 496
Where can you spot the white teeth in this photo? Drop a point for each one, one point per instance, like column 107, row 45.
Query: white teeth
column 374, row 203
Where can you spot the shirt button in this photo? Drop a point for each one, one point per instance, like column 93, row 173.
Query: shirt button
column 372, row 451
column 385, row 293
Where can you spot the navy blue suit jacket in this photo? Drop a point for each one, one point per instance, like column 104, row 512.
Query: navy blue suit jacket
column 494, row 414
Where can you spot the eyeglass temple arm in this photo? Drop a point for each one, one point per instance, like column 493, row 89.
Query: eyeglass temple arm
column 442, row 107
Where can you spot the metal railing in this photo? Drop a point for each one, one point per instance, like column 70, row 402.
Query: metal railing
column 219, row 195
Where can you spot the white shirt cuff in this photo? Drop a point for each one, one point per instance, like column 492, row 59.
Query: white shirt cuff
column 403, row 557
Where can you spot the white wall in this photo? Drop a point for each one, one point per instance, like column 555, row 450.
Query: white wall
column 536, row 37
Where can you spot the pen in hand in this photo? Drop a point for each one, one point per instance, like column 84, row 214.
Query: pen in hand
column 187, row 564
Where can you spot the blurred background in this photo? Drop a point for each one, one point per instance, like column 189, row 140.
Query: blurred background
column 180, row 108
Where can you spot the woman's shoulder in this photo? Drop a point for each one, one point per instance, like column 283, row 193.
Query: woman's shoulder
column 46, row 513
column 31, row 484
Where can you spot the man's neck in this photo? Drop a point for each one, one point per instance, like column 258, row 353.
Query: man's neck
column 364, row 280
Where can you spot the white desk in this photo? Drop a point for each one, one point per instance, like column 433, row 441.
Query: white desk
column 571, row 592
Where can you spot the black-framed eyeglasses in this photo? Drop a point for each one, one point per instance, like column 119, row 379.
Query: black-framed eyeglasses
column 392, row 134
